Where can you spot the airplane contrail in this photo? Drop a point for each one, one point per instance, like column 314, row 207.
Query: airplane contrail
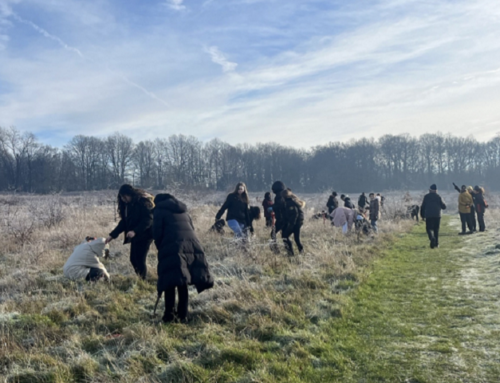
column 58, row 40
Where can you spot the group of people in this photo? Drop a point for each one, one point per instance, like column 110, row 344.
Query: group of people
column 347, row 216
column 144, row 219
column 471, row 201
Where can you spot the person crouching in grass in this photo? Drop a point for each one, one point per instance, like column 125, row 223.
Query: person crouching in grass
column 181, row 259
column 84, row 262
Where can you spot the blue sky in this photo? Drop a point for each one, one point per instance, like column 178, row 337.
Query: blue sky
column 300, row 73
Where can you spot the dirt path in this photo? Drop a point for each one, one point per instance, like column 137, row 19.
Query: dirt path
column 428, row 315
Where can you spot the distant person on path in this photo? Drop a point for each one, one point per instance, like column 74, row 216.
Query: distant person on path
column 293, row 220
column 464, row 207
column 267, row 204
column 472, row 210
column 470, row 220
column 362, row 202
column 430, row 211
column 332, row 203
column 343, row 217
column 181, row 259
column 481, row 205
column 347, row 201
column 374, row 211
column 84, row 262
column 237, row 206
column 135, row 208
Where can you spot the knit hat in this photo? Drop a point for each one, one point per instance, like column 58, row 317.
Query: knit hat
column 433, row 187
column 278, row 187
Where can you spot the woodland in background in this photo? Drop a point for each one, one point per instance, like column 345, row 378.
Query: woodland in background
column 184, row 162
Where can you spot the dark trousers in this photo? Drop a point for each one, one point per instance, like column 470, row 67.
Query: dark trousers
column 94, row 274
column 432, row 226
column 138, row 253
column 269, row 222
column 296, row 238
column 473, row 224
column 465, row 218
column 182, row 305
column 480, row 220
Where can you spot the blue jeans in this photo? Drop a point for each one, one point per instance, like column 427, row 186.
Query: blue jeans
column 237, row 228
column 374, row 225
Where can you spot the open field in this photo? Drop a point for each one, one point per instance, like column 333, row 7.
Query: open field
column 269, row 318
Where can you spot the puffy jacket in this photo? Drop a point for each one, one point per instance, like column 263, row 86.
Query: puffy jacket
column 348, row 203
column 374, row 209
column 293, row 213
column 362, row 201
column 279, row 205
column 332, row 203
column 432, row 206
column 479, row 202
column 138, row 218
column 236, row 209
column 85, row 256
column 465, row 202
column 181, row 259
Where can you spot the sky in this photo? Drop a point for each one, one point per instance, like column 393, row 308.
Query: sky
column 299, row 73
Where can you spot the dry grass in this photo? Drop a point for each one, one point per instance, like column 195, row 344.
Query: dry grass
column 260, row 322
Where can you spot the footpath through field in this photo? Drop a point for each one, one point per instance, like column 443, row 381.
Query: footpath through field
column 425, row 315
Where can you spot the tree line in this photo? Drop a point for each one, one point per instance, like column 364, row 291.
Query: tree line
column 395, row 162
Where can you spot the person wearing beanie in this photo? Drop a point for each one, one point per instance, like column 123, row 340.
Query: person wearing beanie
column 480, row 205
column 430, row 211
column 332, row 203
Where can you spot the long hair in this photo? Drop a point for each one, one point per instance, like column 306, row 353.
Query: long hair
column 128, row 190
column 243, row 196
column 267, row 196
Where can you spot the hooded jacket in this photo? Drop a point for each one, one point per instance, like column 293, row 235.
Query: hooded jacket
column 362, row 201
column 279, row 205
column 85, row 256
column 332, row 203
column 464, row 202
column 348, row 203
column 138, row 218
column 181, row 259
column 236, row 208
column 293, row 214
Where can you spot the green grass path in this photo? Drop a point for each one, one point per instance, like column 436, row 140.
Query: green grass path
column 422, row 315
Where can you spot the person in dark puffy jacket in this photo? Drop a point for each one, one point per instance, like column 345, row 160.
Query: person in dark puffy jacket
column 332, row 203
column 481, row 205
column 362, row 202
column 135, row 208
column 293, row 220
column 347, row 201
column 237, row 206
column 267, row 204
column 181, row 259
column 278, row 210
column 430, row 211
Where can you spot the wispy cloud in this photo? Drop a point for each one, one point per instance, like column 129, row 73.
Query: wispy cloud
column 219, row 58
column 176, row 4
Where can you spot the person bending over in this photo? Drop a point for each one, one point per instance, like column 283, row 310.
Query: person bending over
column 84, row 262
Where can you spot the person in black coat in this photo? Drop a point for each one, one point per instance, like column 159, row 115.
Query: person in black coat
column 181, row 259
column 135, row 208
column 362, row 201
column 431, row 212
column 237, row 206
column 278, row 210
column 347, row 202
column 267, row 204
column 293, row 219
column 480, row 205
column 332, row 203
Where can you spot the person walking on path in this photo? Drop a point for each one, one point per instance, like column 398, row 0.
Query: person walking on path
column 267, row 204
column 237, row 206
column 181, row 259
column 332, row 203
column 430, row 211
column 135, row 208
column 293, row 220
column 464, row 203
column 362, row 202
column 481, row 205
column 374, row 211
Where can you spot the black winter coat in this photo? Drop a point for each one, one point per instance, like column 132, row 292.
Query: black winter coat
column 432, row 206
column 279, row 212
column 236, row 209
column 181, row 259
column 374, row 209
column 348, row 203
column 362, row 201
column 479, row 202
column 138, row 218
column 332, row 203
column 293, row 215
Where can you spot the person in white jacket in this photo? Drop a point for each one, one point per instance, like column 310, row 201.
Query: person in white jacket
column 84, row 262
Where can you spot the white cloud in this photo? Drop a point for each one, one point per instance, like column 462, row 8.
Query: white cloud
column 219, row 58
column 176, row 4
